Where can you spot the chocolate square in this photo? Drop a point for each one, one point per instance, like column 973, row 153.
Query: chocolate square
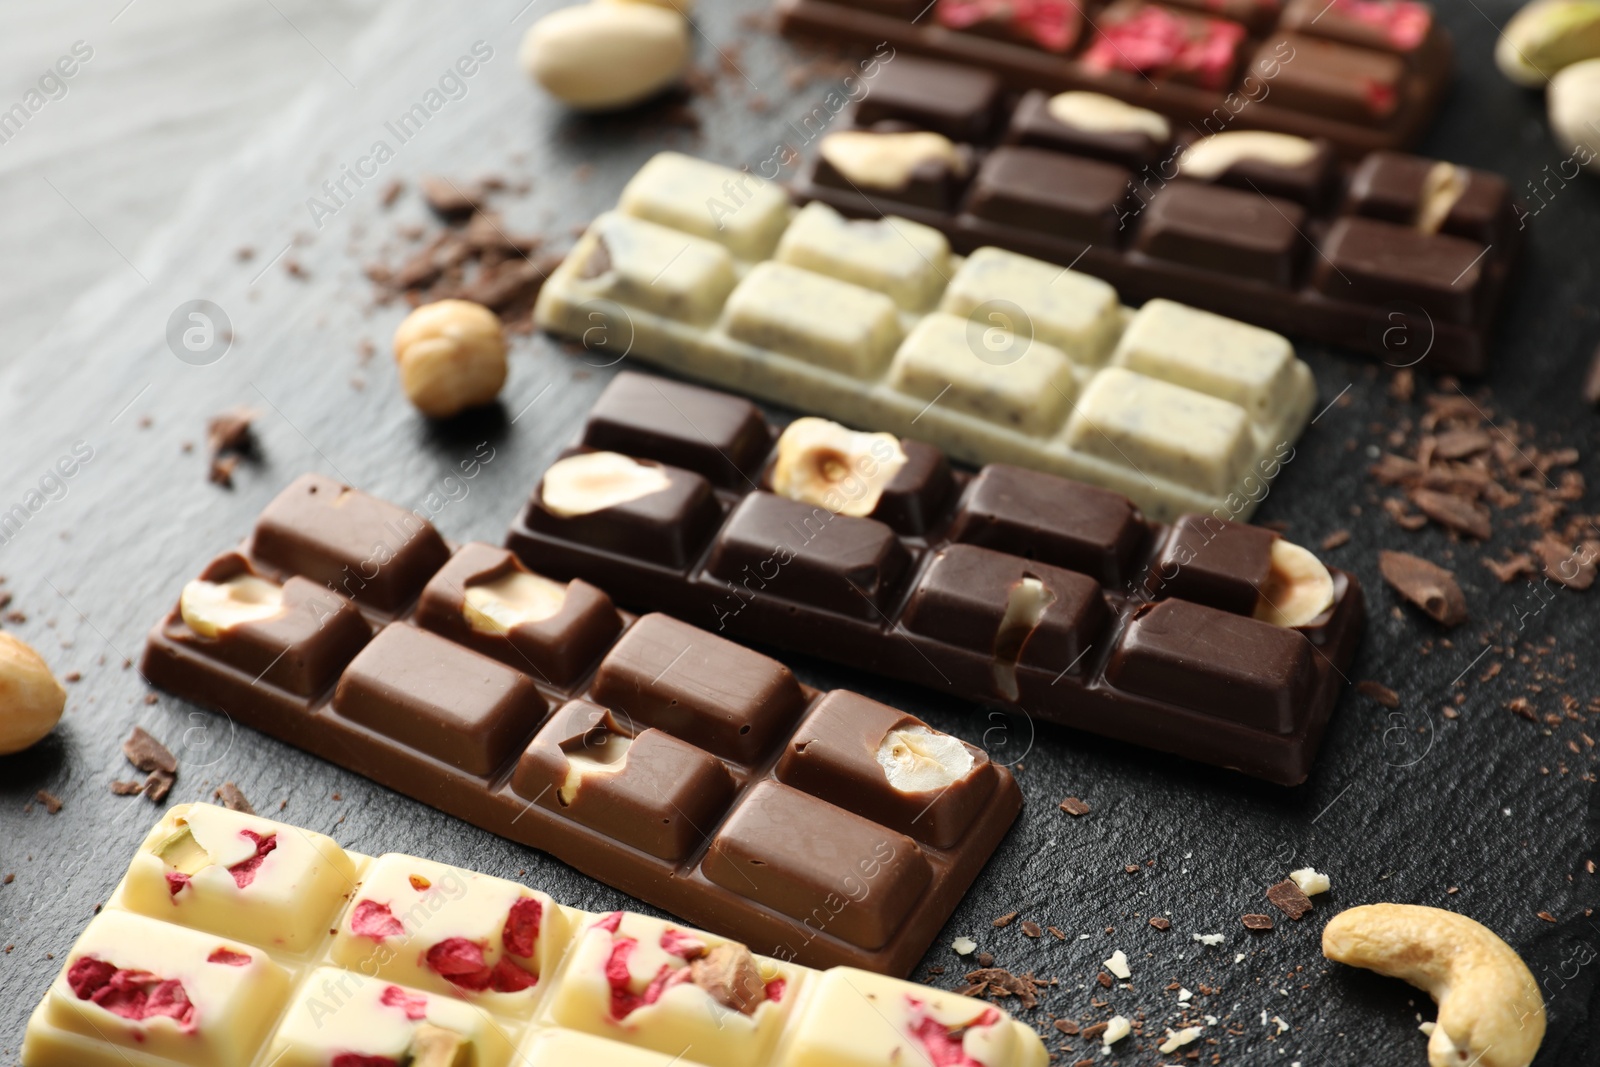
column 1374, row 262
column 933, row 186
column 648, row 789
column 1164, row 45
column 1216, row 663
column 668, row 527
column 368, row 549
column 1055, row 194
column 1053, row 520
column 1310, row 184
column 301, row 650
column 1221, row 564
column 556, row 650
column 1032, row 124
column 720, row 437
column 803, row 857
column 833, row 755
column 696, row 686
column 920, row 491
column 958, row 101
column 1051, row 27
column 1258, row 15
column 1331, row 79
column 1391, row 185
column 452, row 703
column 785, row 548
column 1401, row 26
column 964, row 599
column 1225, row 231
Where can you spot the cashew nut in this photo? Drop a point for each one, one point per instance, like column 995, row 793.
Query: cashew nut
column 1490, row 1011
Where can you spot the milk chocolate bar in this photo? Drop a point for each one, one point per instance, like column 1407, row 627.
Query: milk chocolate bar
column 1364, row 75
column 645, row 752
column 995, row 358
column 237, row 941
column 1207, row 638
column 1404, row 258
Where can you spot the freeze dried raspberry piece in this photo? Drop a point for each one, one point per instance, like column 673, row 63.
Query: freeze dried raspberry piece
column 413, row 1005
column 374, row 920
column 943, row 1045
column 522, row 927
column 132, row 994
column 228, row 958
column 1159, row 43
column 244, row 872
column 675, row 942
column 1052, row 25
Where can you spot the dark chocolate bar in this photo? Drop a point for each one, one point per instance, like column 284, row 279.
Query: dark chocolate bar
column 645, row 752
column 1402, row 257
column 1364, row 75
column 1009, row 587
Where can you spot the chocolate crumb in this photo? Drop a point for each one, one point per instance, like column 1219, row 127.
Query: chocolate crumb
column 1257, row 921
column 148, row 754
column 1546, row 916
column 72, row 676
column 1031, row 929
column 1427, row 585
column 229, row 431
column 127, row 789
column 1591, row 382
column 447, row 199
column 231, row 798
column 1287, row 898
column 1090, row 1033
column 1403, row 386
column 1067, row 1026
column 1453, row 512
column 985, row 960
column 1056, row 932
column 1572, row 567
column 1337, row 539
column 221, row 471
column 391, row 193
column 1160, row 922
column 1104, row 979
column 1075, row 807
column 1006, row 920
column 8, row 880
column 150, row 698
column 1510, row 569
column 1378, row 692
column 51, row 802
column 158, row 785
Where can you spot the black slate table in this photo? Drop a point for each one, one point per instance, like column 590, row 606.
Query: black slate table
column 1404, row 804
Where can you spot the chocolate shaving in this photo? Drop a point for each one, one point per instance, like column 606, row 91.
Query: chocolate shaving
column 1104, row 979
column 1256, row 921
column 229, row 431
column 1379, row 692
column 1031, row 929
column 1067, row 1026
column 1572, row 567
column 158, row 785
column 447, row 199
column 230, row 797
column 1337, row 539
column 1510, row 569
column 127, row 789
column 999, row 982
column 1160, row 923
column 1075, row 807
column 51, row 802
column 1006, row 920
column 1287, row 898
column 1427, row 585
column 1455, row 512
column 1089, row 1033
column 148, row 754
column 1591, row 381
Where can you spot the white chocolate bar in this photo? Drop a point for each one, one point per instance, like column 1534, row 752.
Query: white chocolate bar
column 150, row 983
column 836, row 318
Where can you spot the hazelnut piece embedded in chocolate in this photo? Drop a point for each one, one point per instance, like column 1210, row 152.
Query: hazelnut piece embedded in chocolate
column 213, row 608
column 916, row 759
column 516, row 597
column 821, row 462
column 729, row 975
column 1298, row 589
column 594, row 481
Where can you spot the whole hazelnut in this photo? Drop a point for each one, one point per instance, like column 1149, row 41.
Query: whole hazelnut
column 1574, row 103
column 452, row 356
column 605, row 56
column 30, row 697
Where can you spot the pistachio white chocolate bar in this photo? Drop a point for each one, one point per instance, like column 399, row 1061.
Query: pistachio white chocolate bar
column 995, row 357
column 237, row 941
